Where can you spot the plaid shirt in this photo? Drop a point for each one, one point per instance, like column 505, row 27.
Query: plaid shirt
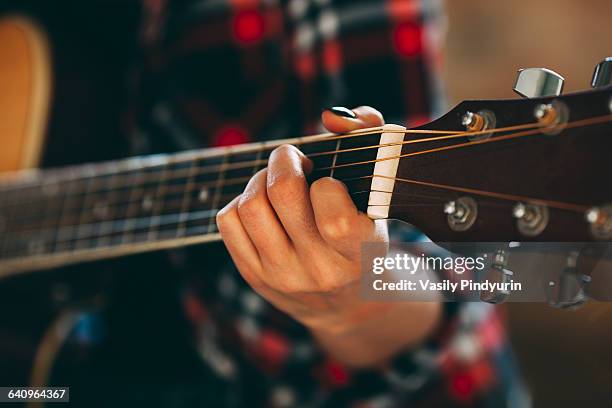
column 221, row 72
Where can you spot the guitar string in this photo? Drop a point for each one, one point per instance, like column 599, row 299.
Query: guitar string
column 29, row 229
column 569, row 125
column 499, row 195
column 110, row 206
column 207, row 215
column 77, row 172
column 492, row 194
column 496, row 139
column 33, row 227
column 92, row 227
column 89, row 235
column 584, row 122
column 199, row 229
column 467, row 144
column 457, row 134
column 113, row 208
column 213, row 169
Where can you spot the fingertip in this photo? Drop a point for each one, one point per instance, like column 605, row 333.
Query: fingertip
column 339, row 124
column 331, row 196
column 371, row 117
column 328, row 185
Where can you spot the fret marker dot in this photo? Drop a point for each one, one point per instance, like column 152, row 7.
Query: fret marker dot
column 147, row 203
column 203, row 195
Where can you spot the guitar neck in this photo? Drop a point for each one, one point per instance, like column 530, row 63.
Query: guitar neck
column 61, row 216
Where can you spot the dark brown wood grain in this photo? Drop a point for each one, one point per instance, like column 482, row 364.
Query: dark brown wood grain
column 574, row 166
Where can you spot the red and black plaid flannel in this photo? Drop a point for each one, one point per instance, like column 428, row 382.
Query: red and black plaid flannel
column 220, row 72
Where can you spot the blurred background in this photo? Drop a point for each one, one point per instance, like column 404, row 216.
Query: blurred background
column 565, row 356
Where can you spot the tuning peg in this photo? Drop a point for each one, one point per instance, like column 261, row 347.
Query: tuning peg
column 537, row 82
column 570, row 290
column 497, row 273
column 602, row 76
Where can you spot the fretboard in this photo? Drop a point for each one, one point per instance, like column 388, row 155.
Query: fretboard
column 60, row 216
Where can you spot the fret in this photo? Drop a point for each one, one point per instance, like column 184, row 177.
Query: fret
column 119, row 196
column 328, row 164
column 70, row 197
column 43, row 208
column 175, row 197
column 320, row 161
column 83, row 229
column 52, row 198
column 23, row 212
column 335, row 158
column 212, row 225
column 107, row 210
column 140, row 202
column 65, row 202
column 258, row 158
column 187, row 197
column 201, row 194
column 158, row 205
column 128, row 223
column 356, row 177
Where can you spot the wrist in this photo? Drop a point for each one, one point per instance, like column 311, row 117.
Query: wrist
column 385, row 330
column 351, row 320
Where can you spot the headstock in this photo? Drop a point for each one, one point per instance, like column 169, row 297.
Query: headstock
column 533, row 169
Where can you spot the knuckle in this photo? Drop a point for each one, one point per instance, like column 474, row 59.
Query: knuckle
column 250, row 205
column 225, row 217
column 328, row 284
column 288, row 287
column 331, row 282
column 336, row 229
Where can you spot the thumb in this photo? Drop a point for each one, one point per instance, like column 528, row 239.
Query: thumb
column 339, row 119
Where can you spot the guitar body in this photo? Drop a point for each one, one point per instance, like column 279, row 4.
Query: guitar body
column 25, row 92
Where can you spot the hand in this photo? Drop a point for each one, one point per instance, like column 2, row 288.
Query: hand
column 299, row 246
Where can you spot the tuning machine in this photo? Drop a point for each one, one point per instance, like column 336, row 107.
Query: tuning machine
column 461, row 213
column 538, row 82
column 569, row 292
column 602, row 76
column 497, row 273
column 479, row 123
column 600, row 220
column 532, row 219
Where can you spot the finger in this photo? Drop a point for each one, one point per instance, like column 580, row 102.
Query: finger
column 339, row 119
column 238, row 243
column 289, row 196
column 339, row 222
column 260, row 221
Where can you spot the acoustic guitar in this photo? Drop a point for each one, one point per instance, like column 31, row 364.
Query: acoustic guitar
column 536, row 168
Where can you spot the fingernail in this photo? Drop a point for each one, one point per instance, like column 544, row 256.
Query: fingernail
column 341, row 111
